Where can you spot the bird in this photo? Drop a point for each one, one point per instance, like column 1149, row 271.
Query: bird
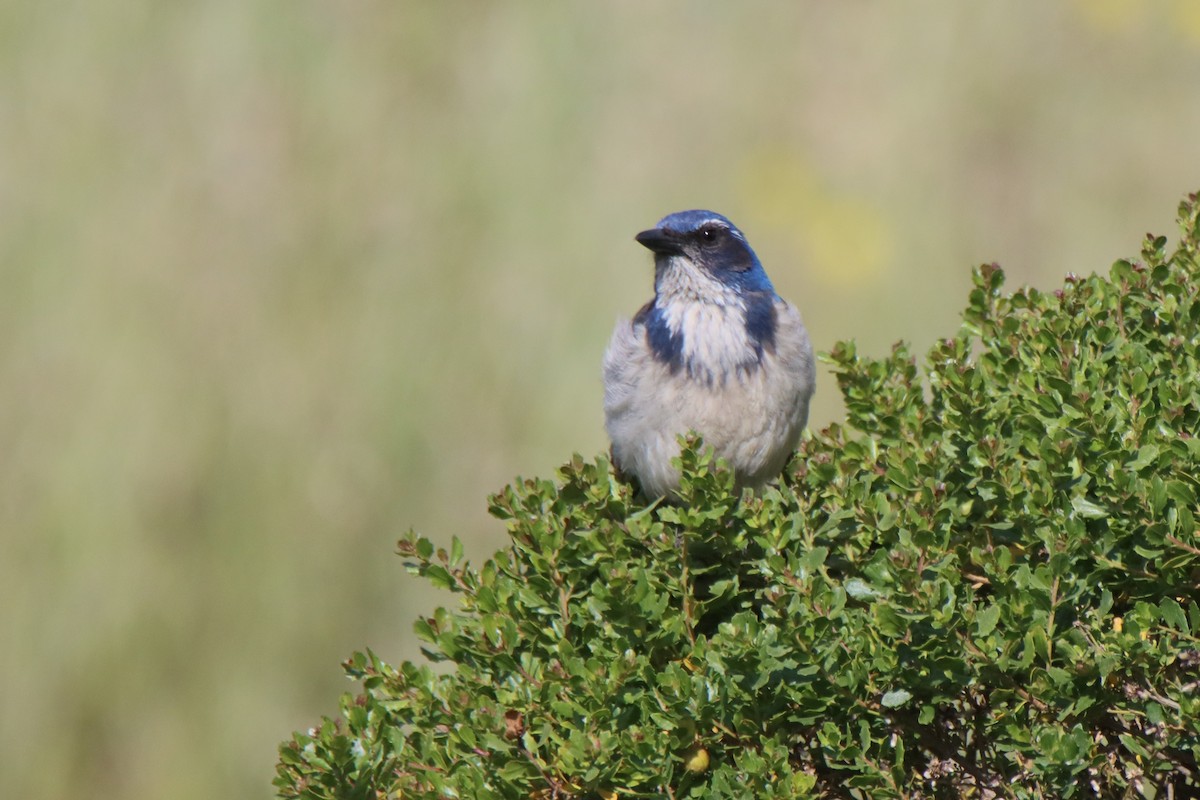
column 716, row 352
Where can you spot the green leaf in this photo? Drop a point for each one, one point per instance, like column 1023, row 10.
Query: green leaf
column 1146, row 455
column 896, row 698
column 1173, row 614
column 860, row 589
column 1088, row 509
column 986, row 619
column 1181, row 493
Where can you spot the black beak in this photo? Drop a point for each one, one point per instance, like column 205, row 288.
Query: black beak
column 660, row 241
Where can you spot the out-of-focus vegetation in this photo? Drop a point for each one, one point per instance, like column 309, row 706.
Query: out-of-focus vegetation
column 281, row 279
column 982, row 586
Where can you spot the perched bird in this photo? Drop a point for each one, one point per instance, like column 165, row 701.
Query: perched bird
column 716, row 352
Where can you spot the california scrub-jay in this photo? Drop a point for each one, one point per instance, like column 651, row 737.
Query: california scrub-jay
column 716, row 352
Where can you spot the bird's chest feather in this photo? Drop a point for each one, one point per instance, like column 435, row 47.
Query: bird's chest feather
column 703, row 341
column 714, row 336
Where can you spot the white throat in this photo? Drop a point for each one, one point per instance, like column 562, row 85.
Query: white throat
column 709, row 317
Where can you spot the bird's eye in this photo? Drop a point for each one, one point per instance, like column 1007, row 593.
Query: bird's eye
column 708, row 235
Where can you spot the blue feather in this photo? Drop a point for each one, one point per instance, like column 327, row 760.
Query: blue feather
column 666, row 346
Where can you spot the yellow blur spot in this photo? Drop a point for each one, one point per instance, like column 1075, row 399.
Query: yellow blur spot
column 844, row 240
column 1118, row 624
column 607, row 794
column 697, row 760
column 1111, row 16
column 1185, row 14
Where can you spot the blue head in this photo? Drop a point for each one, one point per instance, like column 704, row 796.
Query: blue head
column 709, row 243
column 702, row 257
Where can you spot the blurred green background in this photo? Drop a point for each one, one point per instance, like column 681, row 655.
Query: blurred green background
column 283, row 279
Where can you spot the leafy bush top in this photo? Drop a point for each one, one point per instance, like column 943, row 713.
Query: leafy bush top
column 988, row 589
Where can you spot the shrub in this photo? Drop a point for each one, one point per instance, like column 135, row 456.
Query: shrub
column 985, row 585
